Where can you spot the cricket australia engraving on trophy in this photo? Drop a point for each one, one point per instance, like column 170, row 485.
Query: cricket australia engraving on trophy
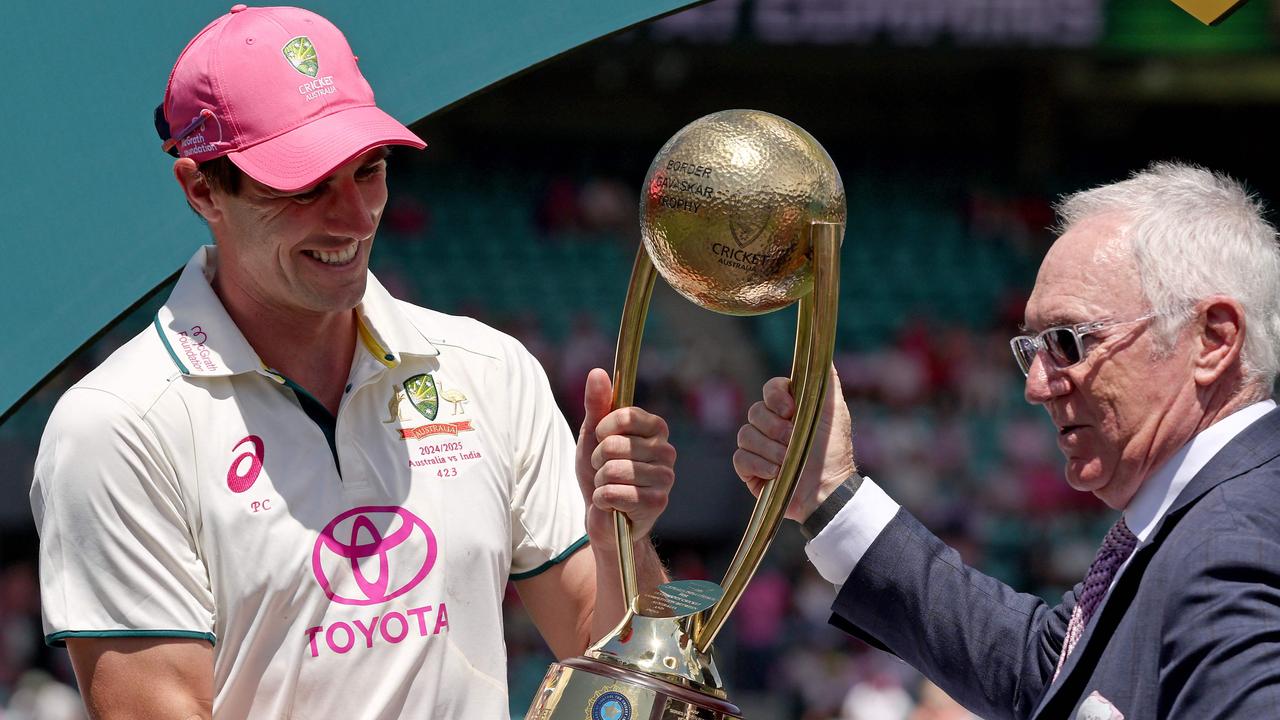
column 742, row 212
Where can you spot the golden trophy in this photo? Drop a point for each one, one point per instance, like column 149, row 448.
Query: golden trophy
column 742, row 212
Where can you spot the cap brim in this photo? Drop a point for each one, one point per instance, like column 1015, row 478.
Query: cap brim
column 306, row 155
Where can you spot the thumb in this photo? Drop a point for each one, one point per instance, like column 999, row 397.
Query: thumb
column 597, row 401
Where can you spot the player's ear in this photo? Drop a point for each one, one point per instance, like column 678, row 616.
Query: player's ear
column 197, row 189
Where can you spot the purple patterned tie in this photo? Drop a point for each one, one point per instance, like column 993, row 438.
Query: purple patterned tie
column 1116, row 548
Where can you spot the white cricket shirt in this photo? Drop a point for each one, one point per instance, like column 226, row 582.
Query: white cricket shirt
column 184, row 490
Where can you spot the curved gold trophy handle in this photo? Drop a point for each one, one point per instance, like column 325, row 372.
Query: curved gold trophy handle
column 626, row 359
column 815, row 343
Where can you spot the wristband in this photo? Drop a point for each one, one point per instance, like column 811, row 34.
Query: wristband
column 836, row 501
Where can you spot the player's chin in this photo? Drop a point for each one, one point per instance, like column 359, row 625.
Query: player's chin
column 339, row 296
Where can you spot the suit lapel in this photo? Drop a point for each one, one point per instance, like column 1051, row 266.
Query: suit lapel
column 1257, row 444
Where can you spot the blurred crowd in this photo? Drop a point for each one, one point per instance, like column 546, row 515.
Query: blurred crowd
column 35, row 681
column 938, row 414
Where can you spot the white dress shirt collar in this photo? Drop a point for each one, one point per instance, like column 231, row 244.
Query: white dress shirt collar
column 1159, row 491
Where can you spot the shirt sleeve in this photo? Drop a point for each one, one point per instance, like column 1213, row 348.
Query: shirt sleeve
column 548, row 514
column 836, row 550
column 117, row 555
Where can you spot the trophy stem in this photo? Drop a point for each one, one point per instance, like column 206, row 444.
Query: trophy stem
column 626, row 359
column 804, row 344
column 817, row 320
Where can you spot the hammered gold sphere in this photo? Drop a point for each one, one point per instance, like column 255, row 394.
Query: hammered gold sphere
column 726, row 209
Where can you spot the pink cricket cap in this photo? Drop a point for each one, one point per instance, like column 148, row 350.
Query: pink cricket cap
column 277, row 90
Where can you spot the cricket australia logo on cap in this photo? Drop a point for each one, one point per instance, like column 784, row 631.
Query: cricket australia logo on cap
column 301, row 54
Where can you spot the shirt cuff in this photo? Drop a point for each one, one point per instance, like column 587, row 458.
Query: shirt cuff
column 836, row 550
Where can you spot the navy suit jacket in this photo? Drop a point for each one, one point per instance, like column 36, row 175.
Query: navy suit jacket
column 1190, row 630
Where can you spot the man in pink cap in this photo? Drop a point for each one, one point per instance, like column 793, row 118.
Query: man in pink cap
column 294, row 495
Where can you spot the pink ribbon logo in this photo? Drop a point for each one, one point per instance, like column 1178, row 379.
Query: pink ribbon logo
column 372, row 535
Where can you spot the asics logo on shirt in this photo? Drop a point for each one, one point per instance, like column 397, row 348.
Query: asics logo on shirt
column 246, row 466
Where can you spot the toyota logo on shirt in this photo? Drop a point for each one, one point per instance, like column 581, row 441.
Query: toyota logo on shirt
column 369, row 555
